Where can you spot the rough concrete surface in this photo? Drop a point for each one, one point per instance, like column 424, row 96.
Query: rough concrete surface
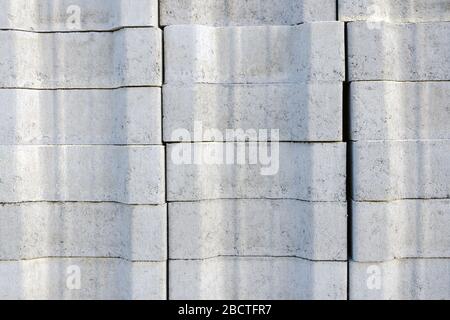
column 305, row 172
column 261, row 54
column 36, row 230
column 127, row 57
column 246, row 13
column 386, row 110
column 402, row 51
column 394, row 170
column 394, row 10
column 133, row 175
column 384, row 231
column 232, row 278
column 119, row 117
column 77, row 15
column 101, row 279
column 301, row 112
column 409, row 279
column 206, row 229
column 91, row 117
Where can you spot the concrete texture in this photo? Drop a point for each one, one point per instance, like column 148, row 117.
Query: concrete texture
column 304, row 172
column 110, row 230
column 394, row 170
column 101, row 279
column 382, row 110
column 257, row 279
column 394, row 10
column 206, row 229
column 403, row 52
column 398, row 66
column 384, row 231
column 121, row 116
column 410, row 279
column 83, row 168
column 302, row 112
column 239, row 227
column 77, row 15
column 133, row 175
column 128, row 57
column 263, row 54
column 246, row 13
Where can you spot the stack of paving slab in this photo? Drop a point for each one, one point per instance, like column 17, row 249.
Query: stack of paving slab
column 82, row 193
column 235, row 233
column 399, row 68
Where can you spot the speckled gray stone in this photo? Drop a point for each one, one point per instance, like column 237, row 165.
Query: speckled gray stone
column 127, row 57
column 401, row 229
column 301, row 112
column 409, row 279
column 101, row 279
column 132, row 175
column 77, row 15
column 205, row 229
column 249, row 12
column 384, row 110
column 394, row 10
column 79, row 229
column 403, row 52
column 305, row 172
column 121, row 116
column 261, row 54
column 233, row 278
column 394, row 170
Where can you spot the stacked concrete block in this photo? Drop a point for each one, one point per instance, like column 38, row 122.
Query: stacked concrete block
column 73, row 15
column 246, row 13
column 82, row 178
column 394, row 10
column 399, row 68
column 255, row 213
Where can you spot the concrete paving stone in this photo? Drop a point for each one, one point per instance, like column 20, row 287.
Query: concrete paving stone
column 394, row 10
column 311, row 172
column 310, row 230
column 384, row 231
column 382, row 110
column 395, row 170
column 111, row 117
column 133, row 175
column 409, row 279
column 111, row 230
column 246, row 13
column 127, row 57
column 233, row 278
column 256, row 54
column 77, row 15
column 82, row 279
column 399, row 51
column 301, row 112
